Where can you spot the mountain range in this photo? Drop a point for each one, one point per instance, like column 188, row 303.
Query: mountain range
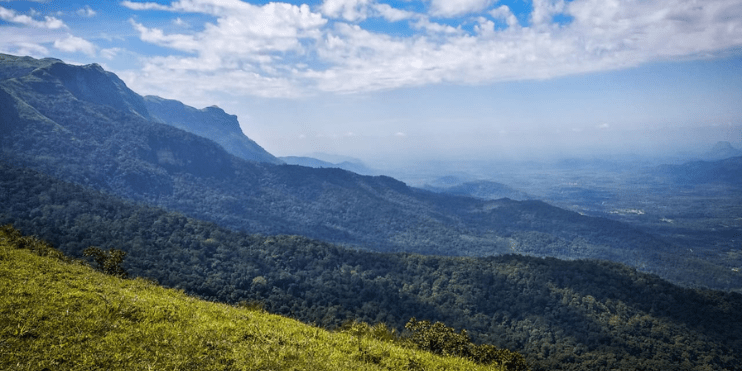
column 82, row 124
column 86, row 161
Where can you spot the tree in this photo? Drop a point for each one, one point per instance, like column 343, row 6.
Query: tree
column 109, row 262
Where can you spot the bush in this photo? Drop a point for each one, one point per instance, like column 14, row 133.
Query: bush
column 443, row 340
column 109, row 262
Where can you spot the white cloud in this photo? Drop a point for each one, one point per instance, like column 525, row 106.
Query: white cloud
column 180, row 22
column 10, row 15
column 392, row 14
column 350, row 10
column 110, row 53
column 453, row 8
column 359, row 10
column 87, row 11
column 504, row 14
column 156, row 36
column 73, row 44
column 544, row 11
column 25, row 48
column 144, row 6
column 280, row 49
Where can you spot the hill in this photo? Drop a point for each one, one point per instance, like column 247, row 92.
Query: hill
column 58, row 314
column 727, row 171
column 483, row 189
column 721, row 151
column 572, row 315
column 355, row 166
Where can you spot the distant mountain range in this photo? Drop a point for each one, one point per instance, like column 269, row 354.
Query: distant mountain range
column 720, row 151
column 82, row 124
column 354, row 166
column 728, row 170
column 483, row 189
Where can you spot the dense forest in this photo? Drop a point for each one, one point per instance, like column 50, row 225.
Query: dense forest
column 578, row 315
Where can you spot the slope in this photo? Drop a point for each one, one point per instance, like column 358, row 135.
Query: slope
column 577, row 315
column 56, row 314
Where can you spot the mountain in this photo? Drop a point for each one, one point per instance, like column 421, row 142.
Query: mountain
column 727, row 171
column 307, row 161
column 356, row 167
column 720, row 151
column 12, row 66
column 53, row 124
column 483, row 189
column 568, row 315
column 210, row 122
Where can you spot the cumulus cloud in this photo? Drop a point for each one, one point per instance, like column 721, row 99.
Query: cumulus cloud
column 351, row 10
column 25, row 48
column 10, row 15
column 359, row 10
column 87, row 11
column 110, row 53
column 281, row 49
column 453, row 8
column 392, row 14
column 73, row 44
column 144, row 6
column 504, row 14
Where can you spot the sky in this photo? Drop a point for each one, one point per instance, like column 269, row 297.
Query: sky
column 420, row 79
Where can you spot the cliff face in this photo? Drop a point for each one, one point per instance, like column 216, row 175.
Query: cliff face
column 210, row 122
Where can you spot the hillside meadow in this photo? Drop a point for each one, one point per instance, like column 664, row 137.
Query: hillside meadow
column 60, row 314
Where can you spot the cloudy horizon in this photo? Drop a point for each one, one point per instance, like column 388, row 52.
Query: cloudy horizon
column 419, row 78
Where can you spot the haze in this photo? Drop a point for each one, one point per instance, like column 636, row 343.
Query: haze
column 406, row 81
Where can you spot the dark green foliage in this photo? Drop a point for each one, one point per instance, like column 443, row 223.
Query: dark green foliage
column 109, row 262
column 32, row 243
column 441, row 339
column 572, row 315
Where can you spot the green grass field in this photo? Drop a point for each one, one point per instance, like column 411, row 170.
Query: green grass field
column 64, row 315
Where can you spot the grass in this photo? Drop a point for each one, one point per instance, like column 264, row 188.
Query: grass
column 63, row 315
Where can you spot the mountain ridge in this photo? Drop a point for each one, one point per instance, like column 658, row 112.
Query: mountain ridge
column 210, row 122
column 121, row 152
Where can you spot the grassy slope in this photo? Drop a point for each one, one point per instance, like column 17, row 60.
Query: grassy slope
column 66, row 316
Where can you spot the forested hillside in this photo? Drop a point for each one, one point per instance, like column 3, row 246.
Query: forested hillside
column 60, row 314
column 578, row 315
column 55, row 123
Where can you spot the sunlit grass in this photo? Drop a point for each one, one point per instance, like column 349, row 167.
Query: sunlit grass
column 58, row 315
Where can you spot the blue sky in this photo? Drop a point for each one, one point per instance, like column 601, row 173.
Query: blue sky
column 416, row 79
